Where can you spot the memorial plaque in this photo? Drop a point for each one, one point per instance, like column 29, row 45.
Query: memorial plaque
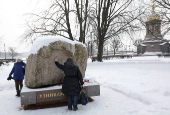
column 50, row 95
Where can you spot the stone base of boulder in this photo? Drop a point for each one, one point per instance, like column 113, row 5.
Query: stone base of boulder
column 46, row 105
column 53, row 94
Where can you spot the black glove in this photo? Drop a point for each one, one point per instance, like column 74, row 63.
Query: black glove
column 9, row 78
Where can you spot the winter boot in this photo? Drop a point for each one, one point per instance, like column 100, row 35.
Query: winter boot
column 75, row 109
column 18, row 93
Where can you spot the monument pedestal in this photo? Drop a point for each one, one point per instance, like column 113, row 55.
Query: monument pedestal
column 53, row 94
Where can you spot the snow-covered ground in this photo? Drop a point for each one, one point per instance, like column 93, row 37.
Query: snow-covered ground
column 137, row 86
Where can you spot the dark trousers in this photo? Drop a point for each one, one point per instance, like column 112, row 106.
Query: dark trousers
column 72, row 101
column 18, row 84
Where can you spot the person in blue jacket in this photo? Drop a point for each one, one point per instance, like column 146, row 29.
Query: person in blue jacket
column 19, row 71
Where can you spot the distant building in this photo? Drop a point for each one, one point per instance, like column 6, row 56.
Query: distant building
column 153, row 42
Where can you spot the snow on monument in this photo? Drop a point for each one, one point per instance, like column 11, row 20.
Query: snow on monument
column 41, row 69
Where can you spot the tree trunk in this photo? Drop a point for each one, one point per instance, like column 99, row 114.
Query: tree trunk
column 81, row 33
column 114, row 52
column 91, row 49
column 100, row 50
column 88, row 48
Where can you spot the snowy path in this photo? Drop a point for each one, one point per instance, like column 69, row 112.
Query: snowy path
column 137, row 86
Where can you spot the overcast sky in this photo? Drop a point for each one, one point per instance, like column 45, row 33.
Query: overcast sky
column 13, row 19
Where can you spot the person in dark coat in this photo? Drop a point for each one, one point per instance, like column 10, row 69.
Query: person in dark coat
column 72, row 83
column 19, row 71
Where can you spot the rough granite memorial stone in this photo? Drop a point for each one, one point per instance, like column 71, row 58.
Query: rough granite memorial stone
column 41, row 69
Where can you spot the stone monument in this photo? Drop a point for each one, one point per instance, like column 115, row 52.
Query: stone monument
column 41, row 69
column 153, row 42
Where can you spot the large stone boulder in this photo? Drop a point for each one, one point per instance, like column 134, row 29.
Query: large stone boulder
column 41, row 69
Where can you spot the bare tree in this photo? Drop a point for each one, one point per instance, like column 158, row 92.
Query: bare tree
column 112, row 18
column 1, row 44
column 104, row 18
column 12, row 52
column 63, row 18
column 115, row 44
column 164, row 5
column 1, row 40
column 82, row 16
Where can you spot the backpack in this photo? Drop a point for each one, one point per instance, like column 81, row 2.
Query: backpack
column 83, row 98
